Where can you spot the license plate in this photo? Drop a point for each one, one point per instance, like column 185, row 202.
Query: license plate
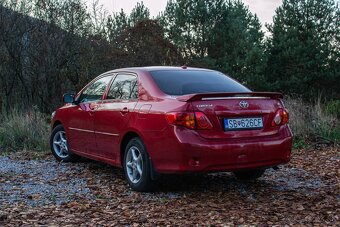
column 243, row 123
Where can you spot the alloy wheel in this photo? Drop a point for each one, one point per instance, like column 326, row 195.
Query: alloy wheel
column 60, row 144
column 134, row 164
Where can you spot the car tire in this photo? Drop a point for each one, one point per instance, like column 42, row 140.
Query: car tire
column 59, row 146
column 249, row 175
column 137, row 166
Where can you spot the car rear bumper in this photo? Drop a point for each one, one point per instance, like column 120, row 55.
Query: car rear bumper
column 187, row 152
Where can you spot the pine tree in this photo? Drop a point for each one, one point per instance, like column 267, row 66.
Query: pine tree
column 139, row 13
column 120, row 22
column 236, row 44
column 188, row 23
column 304, row 47
column 218, row 34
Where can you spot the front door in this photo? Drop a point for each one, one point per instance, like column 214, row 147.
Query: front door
column 81, row 134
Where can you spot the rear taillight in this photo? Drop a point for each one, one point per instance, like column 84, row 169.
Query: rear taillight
column 281, row 117
column 182, row 119
column 202, row 121
column 197, row 120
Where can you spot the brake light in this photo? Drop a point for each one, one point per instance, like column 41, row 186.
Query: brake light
column 202, row 121
column 281, row 117
column 182, row 119
column 197, row 120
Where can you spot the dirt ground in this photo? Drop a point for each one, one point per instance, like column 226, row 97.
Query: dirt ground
column 37, row 190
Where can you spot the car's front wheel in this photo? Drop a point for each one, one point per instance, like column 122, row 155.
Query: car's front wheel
column 59, row 146
column 137, row 167
column 249, row 175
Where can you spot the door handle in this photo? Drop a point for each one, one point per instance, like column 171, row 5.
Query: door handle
column 93, row 106
column 124, row 110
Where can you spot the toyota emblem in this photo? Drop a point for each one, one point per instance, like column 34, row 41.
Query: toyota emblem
column 244, row 104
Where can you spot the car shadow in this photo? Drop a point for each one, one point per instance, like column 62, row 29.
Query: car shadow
column 283, row 180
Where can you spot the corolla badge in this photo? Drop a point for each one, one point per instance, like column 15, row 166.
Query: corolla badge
column 244, row 104
column 204, row 106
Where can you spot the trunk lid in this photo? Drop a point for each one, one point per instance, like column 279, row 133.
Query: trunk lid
column 220, row 106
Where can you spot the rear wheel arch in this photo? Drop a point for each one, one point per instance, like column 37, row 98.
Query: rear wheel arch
column 124, row 142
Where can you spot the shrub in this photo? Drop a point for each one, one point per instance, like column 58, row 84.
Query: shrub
column 24, row 130
column 333, row 108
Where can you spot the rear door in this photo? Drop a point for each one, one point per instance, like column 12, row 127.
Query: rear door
column 114, row 113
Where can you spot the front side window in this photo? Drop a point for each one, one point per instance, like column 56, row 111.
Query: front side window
column 95, row 91
column 124, row 87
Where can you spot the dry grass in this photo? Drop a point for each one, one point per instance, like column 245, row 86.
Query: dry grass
column 311, row 120
column 26, row 130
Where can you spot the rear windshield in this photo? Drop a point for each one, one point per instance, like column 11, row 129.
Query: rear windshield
column 175, row 82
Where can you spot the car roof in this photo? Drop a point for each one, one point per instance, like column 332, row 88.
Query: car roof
column 159, row 68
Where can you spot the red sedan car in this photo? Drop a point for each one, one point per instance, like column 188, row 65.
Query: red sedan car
column 159, row 120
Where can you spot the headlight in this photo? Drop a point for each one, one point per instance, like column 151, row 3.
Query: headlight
column 52, row 115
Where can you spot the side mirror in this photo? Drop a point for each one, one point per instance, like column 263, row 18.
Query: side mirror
column 68, row 98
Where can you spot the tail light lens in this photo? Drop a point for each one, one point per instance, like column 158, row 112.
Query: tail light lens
column 182, row 119
column 202, row 121
column 197, row 120
column 281, row 117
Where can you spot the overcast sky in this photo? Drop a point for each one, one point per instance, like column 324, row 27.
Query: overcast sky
column 264, row 9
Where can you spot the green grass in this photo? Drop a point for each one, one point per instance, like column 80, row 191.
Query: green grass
column 299, row 143
column 333, row 108
column 333, row 135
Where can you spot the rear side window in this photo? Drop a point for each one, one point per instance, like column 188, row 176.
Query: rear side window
column 124, row 87
column 95, row 91
column 176, row 82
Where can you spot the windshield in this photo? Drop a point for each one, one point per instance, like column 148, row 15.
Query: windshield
column 176, row 82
